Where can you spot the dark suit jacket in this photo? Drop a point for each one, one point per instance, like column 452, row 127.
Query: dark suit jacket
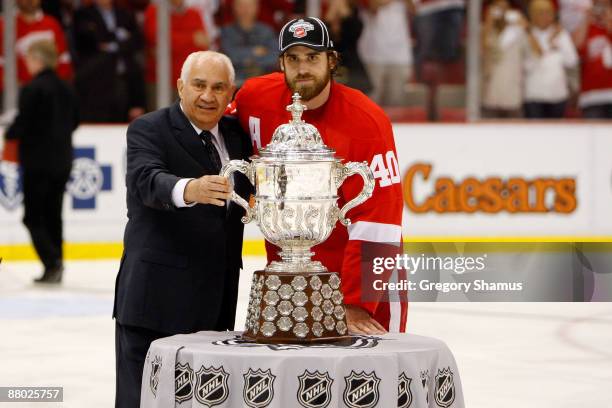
column 48, row 114
column 179, row 264
column 96, row 70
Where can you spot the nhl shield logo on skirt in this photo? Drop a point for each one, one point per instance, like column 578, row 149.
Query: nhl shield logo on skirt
column 183, row 382
column 404, row 394
column 315, row 389
column 425, row 384
column 445, row 388
column 156, row 365
column 361, row 390
column 258, row 389
column 211, row 386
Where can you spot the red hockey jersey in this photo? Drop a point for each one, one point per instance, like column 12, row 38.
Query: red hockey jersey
column 596, row 57
column 358, row 130
column 44, row 27
column 183, row 25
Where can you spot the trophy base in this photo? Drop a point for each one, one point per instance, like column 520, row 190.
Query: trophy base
column 338, row 340
column 296, row 308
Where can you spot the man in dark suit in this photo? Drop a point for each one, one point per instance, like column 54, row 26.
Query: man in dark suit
column 109, row 76
column 183, row 241
column 48, row 114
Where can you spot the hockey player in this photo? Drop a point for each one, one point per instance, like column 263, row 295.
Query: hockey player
column 358, row 130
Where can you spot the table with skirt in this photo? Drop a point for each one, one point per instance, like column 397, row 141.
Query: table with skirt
column 220, row 369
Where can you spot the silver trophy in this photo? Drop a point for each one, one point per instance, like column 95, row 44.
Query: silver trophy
column 296, row 178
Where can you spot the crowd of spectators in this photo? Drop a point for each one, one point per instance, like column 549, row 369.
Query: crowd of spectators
column 540, row 58
column 546, row 59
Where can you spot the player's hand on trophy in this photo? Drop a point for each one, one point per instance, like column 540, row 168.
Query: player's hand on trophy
column 208, row 190
column 360, row 322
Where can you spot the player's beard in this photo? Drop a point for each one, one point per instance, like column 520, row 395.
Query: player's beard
column 307, row 92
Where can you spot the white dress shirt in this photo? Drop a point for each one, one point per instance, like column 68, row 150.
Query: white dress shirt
column 178, row 191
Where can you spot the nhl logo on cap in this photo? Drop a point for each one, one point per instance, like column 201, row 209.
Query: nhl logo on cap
column 300, row 28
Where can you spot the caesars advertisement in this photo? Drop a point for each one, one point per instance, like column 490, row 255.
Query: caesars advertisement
column 544, row 181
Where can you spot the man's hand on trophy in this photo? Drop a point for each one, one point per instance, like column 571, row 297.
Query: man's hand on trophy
column 208, row 190
column 360, row 322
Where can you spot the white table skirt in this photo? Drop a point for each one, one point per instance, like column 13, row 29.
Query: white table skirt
column 217, row 369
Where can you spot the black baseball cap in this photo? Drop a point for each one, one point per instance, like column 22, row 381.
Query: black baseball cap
column 308, row 31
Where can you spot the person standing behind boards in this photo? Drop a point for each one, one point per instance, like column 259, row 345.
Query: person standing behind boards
column 48, row 114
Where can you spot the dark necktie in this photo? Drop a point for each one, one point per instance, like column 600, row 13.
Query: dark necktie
column 211, row 150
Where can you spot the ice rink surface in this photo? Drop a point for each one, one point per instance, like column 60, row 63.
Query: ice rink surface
column 510, row 355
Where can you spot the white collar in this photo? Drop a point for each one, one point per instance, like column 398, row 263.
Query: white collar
column 214, row 131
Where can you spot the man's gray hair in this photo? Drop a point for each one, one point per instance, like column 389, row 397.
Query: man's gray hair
column 213, row 55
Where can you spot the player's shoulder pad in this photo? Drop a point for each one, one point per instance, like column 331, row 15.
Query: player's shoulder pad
column 372, row 114
column 362, row 102
column 261, row 83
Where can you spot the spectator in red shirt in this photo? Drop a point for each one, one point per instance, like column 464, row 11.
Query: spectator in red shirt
column 187, row 35
column 573, row 13
column 594, row 43
column 33, row 25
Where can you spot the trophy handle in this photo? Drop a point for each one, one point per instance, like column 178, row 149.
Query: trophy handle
column 245, row 168
column 346, row 171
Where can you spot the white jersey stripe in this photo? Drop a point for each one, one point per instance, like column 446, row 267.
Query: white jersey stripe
column 395, row 308
column 375, row 232
column 595, row 97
